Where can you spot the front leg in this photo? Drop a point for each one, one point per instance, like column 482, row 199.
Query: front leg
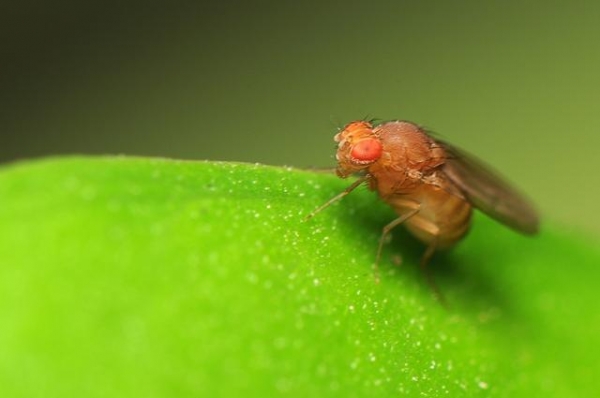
column 337, row 197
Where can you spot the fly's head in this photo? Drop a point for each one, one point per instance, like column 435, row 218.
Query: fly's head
column 358, row 148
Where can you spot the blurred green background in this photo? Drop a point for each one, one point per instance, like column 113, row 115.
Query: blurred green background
column 517, row 83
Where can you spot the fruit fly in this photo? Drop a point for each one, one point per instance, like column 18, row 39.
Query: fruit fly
column 432, row 185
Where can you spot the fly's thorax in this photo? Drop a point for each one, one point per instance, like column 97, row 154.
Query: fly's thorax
column 407, row 146
column 399, row 151
column 390, row 181
column 403, row 169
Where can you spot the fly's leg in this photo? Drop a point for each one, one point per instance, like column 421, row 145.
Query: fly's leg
column 433, row 230
column 430, row 281
column 412, row 209
column 337, row 197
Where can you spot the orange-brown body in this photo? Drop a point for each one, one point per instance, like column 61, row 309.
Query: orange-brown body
column 405, row 176
column 431, row 185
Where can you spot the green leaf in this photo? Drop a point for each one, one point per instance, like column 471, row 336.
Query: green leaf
column 149, row 277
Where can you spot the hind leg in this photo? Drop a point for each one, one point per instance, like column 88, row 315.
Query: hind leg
column 412, row 208
column 433, row 231
column 423, row 264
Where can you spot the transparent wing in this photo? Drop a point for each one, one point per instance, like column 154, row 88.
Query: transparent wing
column 488, row 192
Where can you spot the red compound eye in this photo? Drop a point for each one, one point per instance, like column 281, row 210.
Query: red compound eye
column 366, row 151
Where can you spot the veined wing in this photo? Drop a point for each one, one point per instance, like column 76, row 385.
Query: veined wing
column 488, row 192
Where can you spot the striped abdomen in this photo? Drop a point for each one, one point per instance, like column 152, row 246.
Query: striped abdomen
column 443, row 218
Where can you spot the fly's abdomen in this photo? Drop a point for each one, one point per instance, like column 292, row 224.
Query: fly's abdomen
column 443, row 218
